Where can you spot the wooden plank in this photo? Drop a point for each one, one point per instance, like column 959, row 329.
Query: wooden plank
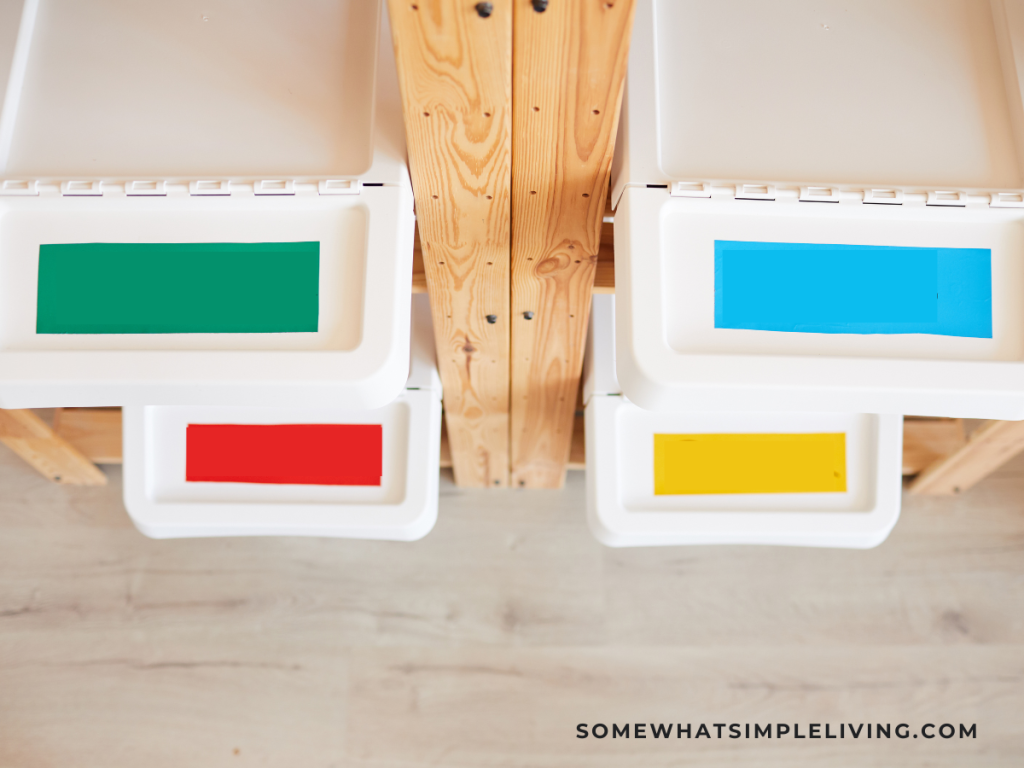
column 604, row 278
column 925, row 441
column 445, row 461
column 419, row 274
column 455, row 73
column 578, row 445
column 569, row 64
column 51, row 455
column 95, row 432
column 989, row 447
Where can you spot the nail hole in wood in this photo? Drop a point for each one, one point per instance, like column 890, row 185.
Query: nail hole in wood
column 597, row 111
column 484, row 10
column 528, row 315
column 492, row 319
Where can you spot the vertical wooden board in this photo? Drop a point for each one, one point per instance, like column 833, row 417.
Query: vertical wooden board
column 455, row 73
column 604, row 279
column 926, row 441
column 95, row 432
column 569, row 64
column 419, row 276
column 51, row 455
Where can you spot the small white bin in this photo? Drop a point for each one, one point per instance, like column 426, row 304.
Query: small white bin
column 880, row 143
column 624, row 509
column 171, row 125
column 164, row 504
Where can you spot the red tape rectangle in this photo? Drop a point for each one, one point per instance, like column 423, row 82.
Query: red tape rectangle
column 292, row 454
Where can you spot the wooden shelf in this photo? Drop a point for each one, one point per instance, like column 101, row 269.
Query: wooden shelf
column 510, row 313
column 455, row 76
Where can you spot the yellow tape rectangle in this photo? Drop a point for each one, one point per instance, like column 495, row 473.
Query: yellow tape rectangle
column 758, row 463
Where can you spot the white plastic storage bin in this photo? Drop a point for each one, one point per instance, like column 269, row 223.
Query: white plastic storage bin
column 194, row 198
column 820, row 207
column 625, row 506
column 164, row 503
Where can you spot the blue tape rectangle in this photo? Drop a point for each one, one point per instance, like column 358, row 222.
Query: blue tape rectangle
column 863, row 289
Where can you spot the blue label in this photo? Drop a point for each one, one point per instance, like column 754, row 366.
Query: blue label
column 809, row 288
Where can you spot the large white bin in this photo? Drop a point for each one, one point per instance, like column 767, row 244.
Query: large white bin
column 889, row 124
column 163, row 504
column 623, row 509
column 176, row 122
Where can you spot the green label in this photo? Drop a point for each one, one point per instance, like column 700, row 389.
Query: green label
column 178, row 288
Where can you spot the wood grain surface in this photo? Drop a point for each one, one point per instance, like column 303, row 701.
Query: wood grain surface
column 989, row 447
column 604, row 276
column 455, row 73
column 31, row 438
column 569, row 65
column 926, row 441
column 95, row 432
column 487, row 642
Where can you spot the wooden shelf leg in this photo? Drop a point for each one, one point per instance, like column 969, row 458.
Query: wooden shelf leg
column 455, row 72
column 989, row 447
column 54, row 457
column 568, row 69
column 96, row 432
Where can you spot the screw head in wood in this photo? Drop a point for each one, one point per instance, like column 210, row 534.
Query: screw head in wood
column 492, row 319
column 540, row 5
column 484, row 9
column 528, row 315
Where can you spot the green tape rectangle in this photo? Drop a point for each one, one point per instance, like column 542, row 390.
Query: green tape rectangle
column 113, row 288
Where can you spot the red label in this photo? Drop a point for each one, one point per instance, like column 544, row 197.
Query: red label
column 294, row 454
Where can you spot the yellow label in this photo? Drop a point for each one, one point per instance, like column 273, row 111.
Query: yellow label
column 762, row 463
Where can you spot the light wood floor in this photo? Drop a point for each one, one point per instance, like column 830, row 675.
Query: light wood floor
column 487, row 642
